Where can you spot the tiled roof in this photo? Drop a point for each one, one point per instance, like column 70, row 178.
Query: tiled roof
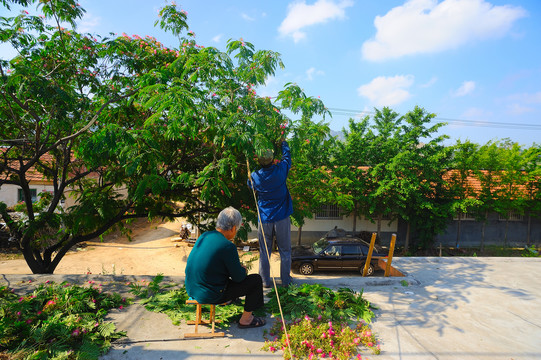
column 474, row 183
column 32, row 174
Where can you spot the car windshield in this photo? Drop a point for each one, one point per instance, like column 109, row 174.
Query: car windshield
column 319, row 245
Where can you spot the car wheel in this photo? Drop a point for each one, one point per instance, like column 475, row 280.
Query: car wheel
column 370, row 271
column 306, row 269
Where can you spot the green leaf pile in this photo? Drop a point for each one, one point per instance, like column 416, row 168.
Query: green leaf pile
column 57, row 321
column 158, row 297
column 319, row 301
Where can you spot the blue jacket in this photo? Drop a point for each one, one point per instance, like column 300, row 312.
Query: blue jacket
column 273, row 196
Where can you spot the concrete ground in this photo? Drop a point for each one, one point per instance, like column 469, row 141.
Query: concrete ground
column 445, row 308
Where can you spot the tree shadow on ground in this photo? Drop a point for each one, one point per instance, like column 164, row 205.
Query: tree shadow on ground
column 445, row 284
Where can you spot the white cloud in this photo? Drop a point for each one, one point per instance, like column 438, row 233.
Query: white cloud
column 247, row 17
column 387, row 91
column 301, row 15
column 217, row 38
column 466, row 88
column 519, row 109
column 519, row 104
column 367, row 111
column 474, row 113
column 430, row 26
column 88, row 23
column 534, row 98
column 430, row 82
column 310, row 73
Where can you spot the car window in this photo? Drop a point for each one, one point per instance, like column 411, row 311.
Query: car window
column 319, row 245
column 364, row 249
column 351, row 250
column 332, row 251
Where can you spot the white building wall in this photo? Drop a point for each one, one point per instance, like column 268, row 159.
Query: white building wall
column 346, row 223
column 9, row 193
column 313, row 229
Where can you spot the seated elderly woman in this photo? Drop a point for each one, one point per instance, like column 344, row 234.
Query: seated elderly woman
column 214, row 274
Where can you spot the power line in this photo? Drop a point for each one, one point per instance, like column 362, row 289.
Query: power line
column 472, row 123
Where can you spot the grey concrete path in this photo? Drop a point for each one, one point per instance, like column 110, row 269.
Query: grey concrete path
column 445, row 308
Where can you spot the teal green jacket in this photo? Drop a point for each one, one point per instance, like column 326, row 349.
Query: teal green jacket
column 211, row 263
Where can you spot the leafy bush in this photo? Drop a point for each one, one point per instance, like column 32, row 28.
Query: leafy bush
column 530, row 252
column 59, row 321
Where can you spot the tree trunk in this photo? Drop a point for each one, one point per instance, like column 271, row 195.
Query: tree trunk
column 458, row 228
column 407, row 243
column 354, row 219
column 299, row 235
column 482, row 247
column 32, row 262
column 528, row 235
column 36, row 264
column 379, row 226
column 506, row 231
column 44, row 262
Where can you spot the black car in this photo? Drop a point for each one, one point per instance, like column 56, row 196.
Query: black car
column 339, row 253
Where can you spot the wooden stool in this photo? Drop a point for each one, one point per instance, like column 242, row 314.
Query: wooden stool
column 199, row 320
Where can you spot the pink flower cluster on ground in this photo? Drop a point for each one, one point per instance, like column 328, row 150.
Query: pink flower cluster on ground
column 317, row 339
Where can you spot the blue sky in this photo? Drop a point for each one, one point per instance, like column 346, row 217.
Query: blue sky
column 474, row 63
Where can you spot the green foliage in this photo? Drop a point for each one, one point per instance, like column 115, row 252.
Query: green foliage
column 530, row 252
column 317, row 300
column 130, row 127
column 311, row 181
column 159, row 298
column 247, row 259
column 172, row 19
column 58, row 321
column 396, row 165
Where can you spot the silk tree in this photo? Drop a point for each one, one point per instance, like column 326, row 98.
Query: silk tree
column 125, row 126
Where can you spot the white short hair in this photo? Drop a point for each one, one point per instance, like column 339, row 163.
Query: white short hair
column 229, row 217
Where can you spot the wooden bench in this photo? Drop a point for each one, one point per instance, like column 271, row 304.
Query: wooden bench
column 199, row 320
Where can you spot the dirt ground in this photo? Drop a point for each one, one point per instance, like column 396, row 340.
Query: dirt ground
column 154, row 249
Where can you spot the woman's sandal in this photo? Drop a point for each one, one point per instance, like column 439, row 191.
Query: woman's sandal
column 256, row 322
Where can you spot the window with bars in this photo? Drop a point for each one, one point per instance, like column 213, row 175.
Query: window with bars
column 464, row 216
column 511, row 216
column 328, row 212
column 33, row 195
